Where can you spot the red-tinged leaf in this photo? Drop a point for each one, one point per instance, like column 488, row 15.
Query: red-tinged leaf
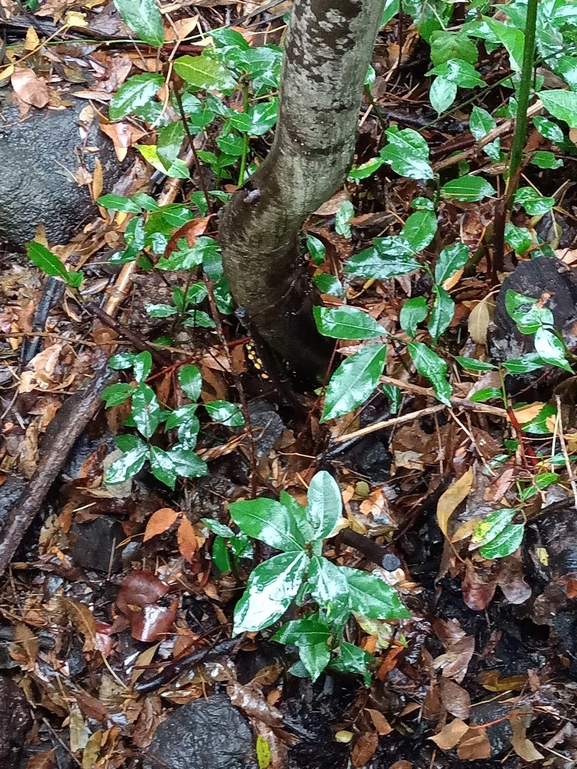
column 139, row 588
column 153, row 623
column 43, row 760
column 189, row 231
column 364, row 748
column 187, row 542
column 478, row 587
column 159, row 522
column 510, row 579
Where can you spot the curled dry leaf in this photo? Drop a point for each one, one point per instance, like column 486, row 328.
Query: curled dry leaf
column 380, row 723
column 253, row 703
column 187, row 541
column 159, row 522
column 152, row 623
column 364, row 748
column 30, row 88
column 452, row 498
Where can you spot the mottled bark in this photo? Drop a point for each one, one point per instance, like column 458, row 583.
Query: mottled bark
column 328, row 50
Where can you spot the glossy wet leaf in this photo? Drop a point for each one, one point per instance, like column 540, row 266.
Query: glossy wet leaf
column 328, row 284
column 263, row 752
column 370, row 596
column 190, row 380
column 135, row 92
column 354, row 381
column 433, row 367
column 142, row 365
column 257, row 120
column 524, row 364
column 346, row 323
column 481, row 122
column 203, row 73
column 548, row 129
column 451, row 260
column 269, row 521
column 533, row 203
column 129, row 464
column 330, row 590
column 51, row 265
column 459, row 72
column 325, row 504
column 315, row 659
column 116, row 394
column 546, row 160
column 160, row 310
column 352, row 659
column 342, row 218
column 270, row 590
column 442, row 94
column 407, row 153
column 299, row 514
column 186, row 463
column 492, row 526
column 551, row 349
column 441, row 314
column 513, row 40
column 519, row 238
column 121, row 361
column 199, row 319
column 472, row 364
column 170, row 140
column 118, row 203
column 467, row 188
column 420, row 229
column 413, row 312
column 162, row 466
column 226, row 413
column 221, row 555
column 486, row 394
column 452, row 45
column 365, row 169
column 311, row 636
column 316, row 249
column 562, row 105
column 145, row 410
column 143, row 18
column 386, row 258
column 187, row 257
column 504, row 543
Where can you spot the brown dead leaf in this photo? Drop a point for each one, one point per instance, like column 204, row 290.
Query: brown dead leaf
column 43, row 760
column 478, row 586
column 510, row 579
column 180, row 28
column 152, row 623
column 474, row 745
column 456, row 700
column 480, row 318
column 527, row 414
column 492, row 681
column 402, row 764
column 189, row 232
column 364, row 748
column 380, row 723
column 450, row 734
column 30, row 88
column 522, row 745
column 159, row 522
column 459, row 649
column 497, row 490
column 332, row 206
column 123, row 135
column 252, row 701
column 452, row 498
column 187, row 541
column 139, row 588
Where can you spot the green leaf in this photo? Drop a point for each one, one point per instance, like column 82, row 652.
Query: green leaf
column 50, row 264
column 145, row 410
column 129, row 464
column 492, row 526
column 160, row 310
column 142, row 365
column 365, row 169
column 118, row 203
column 413, row 312
column 271, row 588
column 343, row 216
column 407, row 153
column 481, row 122
column 263, row 752
column 226, row 413
column 472, row 364
column 328, row 284
column 199, row 318
column 311, row 636
column 486, row 394
column 551, row 349
column 203, row 73
column 116, row 394
column 434, row 368
column 505, row 543
column 548, row 129
column 121, row 361
column 562, row 105
column 143, row 18
column 190, row 379
column 257, row 120
column 187, row 257
column 524, row 364
column 420, row 229
column 452, row 45
column 467, row 188
column 519, row 238
column 352, row 659
column 316, row 249
column 187, row 422
column 442, row 94
column 330, row 589
column 533, row 203
column 221, row 555
column 299, row 513
column 325, row 505
column 346, row 323
column 162, row 466
column 186, row 463
column 268, row 521
column 170, row 140
column 458, row 72
column 372, row 597
column 546, row 160
column 441, row 314
column 354, row 381
column 178, row 169
column 450, row 261
column 387, row 258
column 137, row 91
column 513, row 40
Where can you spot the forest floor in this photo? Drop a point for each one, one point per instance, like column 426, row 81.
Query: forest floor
column 115, row 624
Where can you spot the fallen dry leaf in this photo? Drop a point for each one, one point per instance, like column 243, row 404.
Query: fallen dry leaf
column 522, row 745
column 187, row 541
column 456, row 700
column 478, row 586
column 450, row 735
column 452, row 498
column 30, row 88
column 364, row 748
column 159, row 522
column 474, row 745
column 480, row 318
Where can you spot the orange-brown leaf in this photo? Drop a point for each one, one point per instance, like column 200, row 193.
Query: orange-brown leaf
column 452, row 498
column 187, row 542
column 159, row 522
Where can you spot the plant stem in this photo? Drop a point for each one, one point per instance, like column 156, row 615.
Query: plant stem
column 242, row 170
column 190, row 138
column 519, row 137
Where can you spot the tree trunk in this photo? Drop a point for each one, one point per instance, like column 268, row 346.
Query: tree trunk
column 328, row 50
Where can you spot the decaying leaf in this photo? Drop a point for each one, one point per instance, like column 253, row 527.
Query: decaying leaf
column 474, row 745
column 480, row 318
column 187, row 540
column 364, row 748
column 452, row 498
column 30, row 88
column 450, row 734
column 159, row 522
column 522, row 745
column 456, row 700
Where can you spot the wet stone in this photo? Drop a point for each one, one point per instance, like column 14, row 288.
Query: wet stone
column 267, row 426
column 204, row 734
column 95, row 544
column 15, row 721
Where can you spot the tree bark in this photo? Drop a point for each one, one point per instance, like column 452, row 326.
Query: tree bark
column 328, row 50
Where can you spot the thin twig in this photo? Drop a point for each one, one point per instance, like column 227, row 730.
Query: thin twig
column 565, row 453
column 190, row 139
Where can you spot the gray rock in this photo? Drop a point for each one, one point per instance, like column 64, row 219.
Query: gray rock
column 204, row 734
column 15, row 721
column 95, row 544
column 267, row 426
column 40, row 153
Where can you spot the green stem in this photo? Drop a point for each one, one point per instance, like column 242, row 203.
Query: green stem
column 242, row 170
